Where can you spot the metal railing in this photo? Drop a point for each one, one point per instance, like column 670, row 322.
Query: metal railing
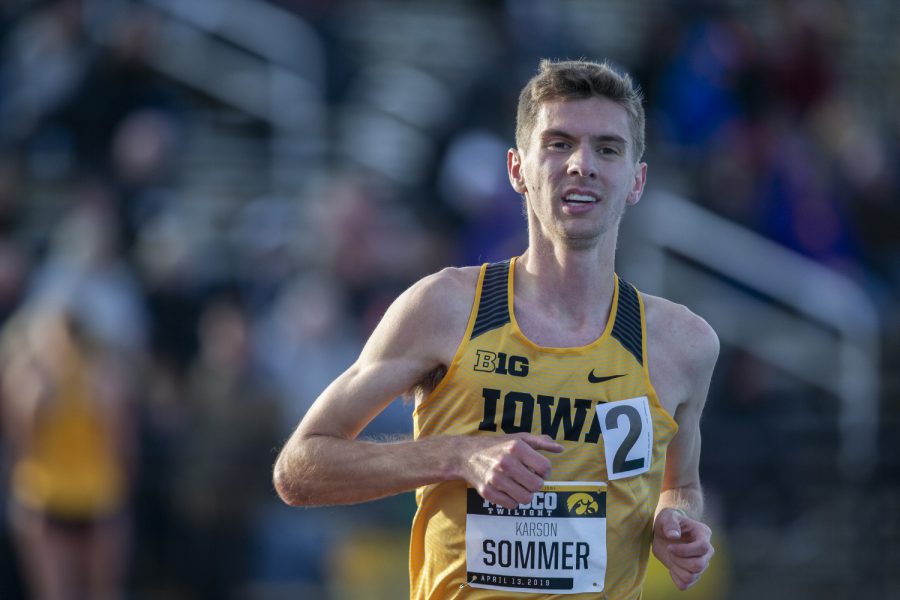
column 253, row 56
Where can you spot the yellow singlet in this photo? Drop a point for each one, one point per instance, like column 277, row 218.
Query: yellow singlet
column 587, row 533
column 70, row 470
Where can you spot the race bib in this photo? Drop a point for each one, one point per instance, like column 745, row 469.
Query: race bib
column 627, row 436
column 555, row 544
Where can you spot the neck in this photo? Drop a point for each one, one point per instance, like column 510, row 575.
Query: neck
column 576, row 282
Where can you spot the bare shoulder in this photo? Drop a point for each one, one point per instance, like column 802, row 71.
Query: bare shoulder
column 449, row 285
column 682, row 349
column 430, row 316
column 674, row 327
column 445, row 295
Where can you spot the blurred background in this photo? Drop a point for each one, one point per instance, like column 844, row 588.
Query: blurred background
column 206, row 206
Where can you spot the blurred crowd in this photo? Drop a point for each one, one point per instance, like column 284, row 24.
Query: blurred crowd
column 163, row 346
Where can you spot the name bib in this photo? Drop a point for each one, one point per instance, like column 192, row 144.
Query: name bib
column 555, row 544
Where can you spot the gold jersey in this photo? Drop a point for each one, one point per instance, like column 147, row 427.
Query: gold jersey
column 587, row 534
column 70, row 470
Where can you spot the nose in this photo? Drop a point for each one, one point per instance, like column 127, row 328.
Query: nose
column 582, row 162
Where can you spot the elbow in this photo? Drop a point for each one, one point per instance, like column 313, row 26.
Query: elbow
column 287, row 487
column 279, row 481
column 301, row 474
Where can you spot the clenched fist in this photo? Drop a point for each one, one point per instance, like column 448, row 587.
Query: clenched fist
column 506, row 470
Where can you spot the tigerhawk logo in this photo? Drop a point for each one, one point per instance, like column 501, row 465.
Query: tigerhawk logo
column 582, row 504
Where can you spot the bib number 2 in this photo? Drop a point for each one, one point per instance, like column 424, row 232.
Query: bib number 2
column 627, row 435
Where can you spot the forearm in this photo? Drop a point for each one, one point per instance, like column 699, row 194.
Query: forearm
column 323, row 470
column 688, row 499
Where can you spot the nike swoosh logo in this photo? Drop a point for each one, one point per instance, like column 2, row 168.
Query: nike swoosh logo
column 594, row 379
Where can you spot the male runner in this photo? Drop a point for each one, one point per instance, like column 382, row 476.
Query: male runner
column 557, row 409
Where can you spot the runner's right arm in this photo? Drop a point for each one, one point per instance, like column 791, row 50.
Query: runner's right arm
column 322, row 463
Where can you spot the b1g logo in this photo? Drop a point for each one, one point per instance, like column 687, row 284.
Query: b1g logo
column 500, row 363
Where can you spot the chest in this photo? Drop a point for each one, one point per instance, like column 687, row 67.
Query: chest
column 517, row 386
column 555, row 329
column 523, row 371
column 550, row 332
column 596, row 401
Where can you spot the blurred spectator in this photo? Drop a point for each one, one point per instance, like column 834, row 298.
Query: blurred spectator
column 168, row 257
column 697, row 90
column 44, row 61
column 225, row 453
column 864, row 170
column 68, row 419
column 117, row 87
column 800, row 206
column 373, row 244
column 474, row 182
column 85, row 266
column 307, row 339
column 800, row 55
column 263, row 239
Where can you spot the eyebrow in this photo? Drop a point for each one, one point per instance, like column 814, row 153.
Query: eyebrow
column 609, row 137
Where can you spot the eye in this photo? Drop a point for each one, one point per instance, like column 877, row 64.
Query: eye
column 559, row 145
column 608, row 150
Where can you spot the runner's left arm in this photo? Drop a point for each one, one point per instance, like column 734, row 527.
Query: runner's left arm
column 680, row 540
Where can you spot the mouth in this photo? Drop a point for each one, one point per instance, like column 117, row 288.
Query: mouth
column 580, row 198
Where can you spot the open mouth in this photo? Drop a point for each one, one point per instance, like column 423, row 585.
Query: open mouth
column 575, row 198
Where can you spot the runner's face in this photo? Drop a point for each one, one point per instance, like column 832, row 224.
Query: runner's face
column 577, row 173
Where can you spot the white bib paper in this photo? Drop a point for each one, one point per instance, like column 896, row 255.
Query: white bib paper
column 555, row 544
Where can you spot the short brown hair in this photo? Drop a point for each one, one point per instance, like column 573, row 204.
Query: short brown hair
column 577, row 80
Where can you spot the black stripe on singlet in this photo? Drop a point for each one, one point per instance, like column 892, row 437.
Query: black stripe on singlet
column 627, row 328
column 493, row 306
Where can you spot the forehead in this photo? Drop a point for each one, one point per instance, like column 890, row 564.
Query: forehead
column 587, row 116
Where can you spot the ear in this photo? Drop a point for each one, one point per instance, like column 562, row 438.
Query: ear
column 637, row 187
column 514, row 170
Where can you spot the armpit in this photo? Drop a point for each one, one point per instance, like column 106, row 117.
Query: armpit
column 420, row 390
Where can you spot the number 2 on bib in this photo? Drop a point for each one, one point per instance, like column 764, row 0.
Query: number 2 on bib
column 627, row 436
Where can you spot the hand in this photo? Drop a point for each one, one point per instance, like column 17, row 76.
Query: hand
column 507, row 470
column 682, row 545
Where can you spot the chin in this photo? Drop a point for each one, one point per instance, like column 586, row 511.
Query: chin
column 581, row 242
